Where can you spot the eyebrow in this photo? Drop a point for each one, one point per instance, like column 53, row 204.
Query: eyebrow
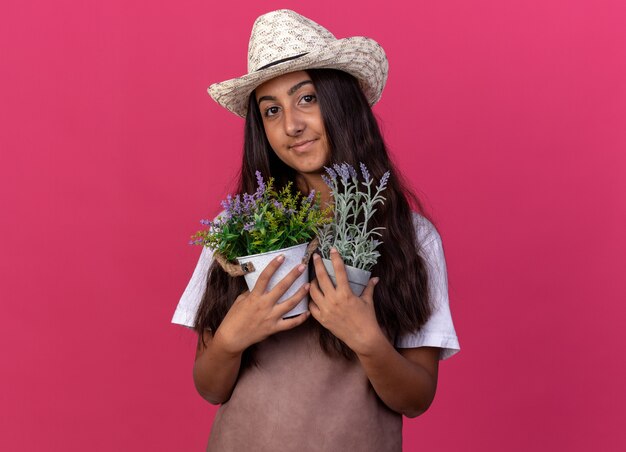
column 290, row 91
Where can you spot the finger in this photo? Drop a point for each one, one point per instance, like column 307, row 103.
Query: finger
column 284, row 284
column 323, row 279
column 264, row 278
column 368, row 292
column 292, row 322
column 291, row 302
column 340, row 269
column 315, row 291
column 314, row 310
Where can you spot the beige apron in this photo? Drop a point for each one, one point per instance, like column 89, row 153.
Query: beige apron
column 297, row 398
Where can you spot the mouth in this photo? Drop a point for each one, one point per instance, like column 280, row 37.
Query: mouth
column 301, row 145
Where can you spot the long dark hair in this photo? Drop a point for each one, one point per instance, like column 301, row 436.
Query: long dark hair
column 402, row 301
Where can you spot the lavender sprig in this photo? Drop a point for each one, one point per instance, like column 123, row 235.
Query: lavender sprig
column 354, row 207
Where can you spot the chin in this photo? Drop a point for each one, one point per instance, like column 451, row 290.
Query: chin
column 312, row 168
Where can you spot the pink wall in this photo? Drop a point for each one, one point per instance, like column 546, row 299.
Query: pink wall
column 510, row 116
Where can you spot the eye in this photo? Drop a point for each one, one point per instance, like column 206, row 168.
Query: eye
column 271, row 111
column 308, row 98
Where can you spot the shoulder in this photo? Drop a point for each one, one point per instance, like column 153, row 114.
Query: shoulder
column 425, row 230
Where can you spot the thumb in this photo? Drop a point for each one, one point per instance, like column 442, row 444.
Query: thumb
column 368, row 293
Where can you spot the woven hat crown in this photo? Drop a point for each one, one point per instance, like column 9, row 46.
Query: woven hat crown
column 283, row 41
column 282, row 35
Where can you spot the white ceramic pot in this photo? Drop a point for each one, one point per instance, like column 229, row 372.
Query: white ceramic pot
column 357, row 278
column 293, row 257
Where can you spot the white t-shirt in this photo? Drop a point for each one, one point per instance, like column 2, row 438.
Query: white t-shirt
column 438, row 331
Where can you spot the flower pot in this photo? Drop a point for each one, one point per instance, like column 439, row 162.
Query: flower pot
column 293, row 257
column 357, row 278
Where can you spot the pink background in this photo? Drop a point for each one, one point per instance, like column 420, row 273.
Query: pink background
column 508, row 116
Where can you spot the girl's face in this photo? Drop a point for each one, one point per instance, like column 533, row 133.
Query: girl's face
column 293, row 122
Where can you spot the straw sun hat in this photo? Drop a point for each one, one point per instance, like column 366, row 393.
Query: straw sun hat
column 283, row 41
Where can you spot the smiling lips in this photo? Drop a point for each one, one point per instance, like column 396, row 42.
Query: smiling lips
column 301, row 146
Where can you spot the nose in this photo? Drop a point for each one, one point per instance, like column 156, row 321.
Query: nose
column 294, row 123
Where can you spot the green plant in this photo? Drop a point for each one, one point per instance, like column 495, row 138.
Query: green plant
column 354, row 206
column 264, row 221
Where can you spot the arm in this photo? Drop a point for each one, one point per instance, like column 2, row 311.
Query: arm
column 405, row 381
column 253, row 317
column 215, row 370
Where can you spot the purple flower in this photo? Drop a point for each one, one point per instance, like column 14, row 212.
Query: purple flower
column 326, row 180
column 260, row 183
column 383, row 180
column 311, row 196
column 352, row 171
column 248, row 227
column 364, row 172
column 238, row 204
column 227, row 204
column 248, row 203
column 205, row 222
column 278, row 206
column 331, row 173
column 342, row 171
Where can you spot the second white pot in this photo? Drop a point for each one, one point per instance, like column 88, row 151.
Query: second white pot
column 356, row 277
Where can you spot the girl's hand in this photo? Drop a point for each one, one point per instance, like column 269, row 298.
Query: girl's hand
column 255, row 314
column 352, row 319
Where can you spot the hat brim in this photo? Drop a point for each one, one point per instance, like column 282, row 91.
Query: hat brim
column 361, row 57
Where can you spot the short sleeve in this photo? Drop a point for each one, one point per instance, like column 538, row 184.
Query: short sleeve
column 185, row 313
column 438, row 331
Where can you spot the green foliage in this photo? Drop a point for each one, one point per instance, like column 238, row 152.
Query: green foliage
column 354, row 206
column 264, row 221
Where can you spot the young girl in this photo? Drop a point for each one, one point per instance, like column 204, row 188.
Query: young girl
column 340, row 376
